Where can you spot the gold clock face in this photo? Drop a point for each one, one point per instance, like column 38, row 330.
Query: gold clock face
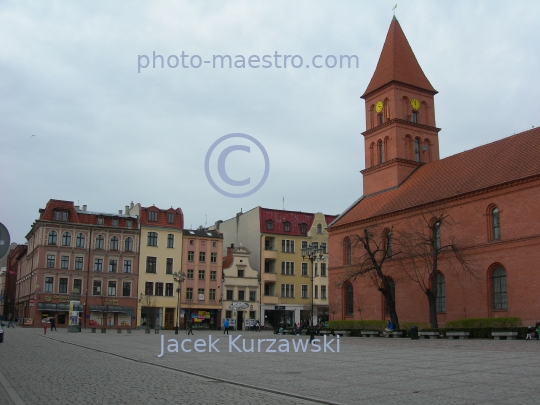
column 415, row 104
column 379, row 106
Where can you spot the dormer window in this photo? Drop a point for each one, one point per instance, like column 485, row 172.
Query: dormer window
column 100, row 221
column 152, row 216
column 115, row 222
column 170, row 217
column 128, row 223
column 270, row 225
column 60, row 216
column 303, row 228
column 287, row 226
column 319, row 228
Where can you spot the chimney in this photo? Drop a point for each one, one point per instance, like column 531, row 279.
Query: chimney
column 131, row 205
column 127, row 209
column 76, row 207
column 119, row 212
column 230, row 249
column 84, row 207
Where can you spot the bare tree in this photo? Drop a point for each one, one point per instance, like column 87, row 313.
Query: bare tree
column 424, row 253
column 374, row 247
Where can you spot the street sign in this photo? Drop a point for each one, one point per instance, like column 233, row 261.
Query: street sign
column 280, row 307
column 4, row 240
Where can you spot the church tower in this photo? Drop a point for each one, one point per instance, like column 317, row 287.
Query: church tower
column 400, row 131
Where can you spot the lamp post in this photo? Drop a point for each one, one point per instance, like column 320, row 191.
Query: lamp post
column 178, row 277
column 312, row 253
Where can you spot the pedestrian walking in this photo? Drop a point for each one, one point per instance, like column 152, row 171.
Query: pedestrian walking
column 257, row 326
column 53, row 323
column 226, row 326
column 529, row 333
column 190, row 327
column 10, row 321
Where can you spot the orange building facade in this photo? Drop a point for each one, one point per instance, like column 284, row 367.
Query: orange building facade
column 488, row 196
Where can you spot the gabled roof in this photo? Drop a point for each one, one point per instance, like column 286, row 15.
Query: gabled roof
column 294, row 218
column 398, row 63
column 162, row 217
column 494, row 164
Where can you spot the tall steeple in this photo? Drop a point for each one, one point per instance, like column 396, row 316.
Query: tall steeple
column 400, row 131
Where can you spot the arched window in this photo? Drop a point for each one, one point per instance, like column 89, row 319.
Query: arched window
column 495, row 224
column 416, row 150
column 99, row 241
column 380, row 149
column 426, row 151
column 347, row 254
column 408, row 147
column 349, row 300
column 498, row 282
column 52, row 238
column 319, row 228
column 114, row 243
column 372, row 154
column 80, row 240
column 388, row 238
column 128, row 245
column 441, row 293
column 66, row 239
column 425, row 109
column 436, row 229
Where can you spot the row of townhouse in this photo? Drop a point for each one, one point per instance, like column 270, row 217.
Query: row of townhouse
column 292, row 288
column 140, row 268
column 122, row 265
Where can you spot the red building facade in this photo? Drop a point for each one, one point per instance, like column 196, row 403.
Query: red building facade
column 488, row 197
column 71, row 249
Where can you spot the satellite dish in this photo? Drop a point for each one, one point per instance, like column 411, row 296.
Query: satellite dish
column 4, row 240
column 424, row 148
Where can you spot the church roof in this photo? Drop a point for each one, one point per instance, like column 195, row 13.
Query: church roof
column 398, row 63
column 496, row 163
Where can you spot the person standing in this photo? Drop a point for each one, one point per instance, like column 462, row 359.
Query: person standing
column 257, row 326
column 53, row 324
column 10, row 321
column 226, row 326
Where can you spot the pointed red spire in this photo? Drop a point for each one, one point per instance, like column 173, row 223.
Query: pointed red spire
column 398, row 63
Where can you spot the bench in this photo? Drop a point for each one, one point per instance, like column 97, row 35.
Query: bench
column 118, row 330
column 393, row 334
column 342, row 333
column 369, row 333
column 457, row 335
column 428, row 335
column 504, row 335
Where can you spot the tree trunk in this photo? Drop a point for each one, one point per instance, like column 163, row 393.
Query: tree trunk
column 391, row 306
column 432, row 299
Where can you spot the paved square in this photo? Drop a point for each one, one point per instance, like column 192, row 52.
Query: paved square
column 112, row 368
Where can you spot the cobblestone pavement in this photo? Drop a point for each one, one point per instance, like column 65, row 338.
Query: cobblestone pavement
column 114, row 368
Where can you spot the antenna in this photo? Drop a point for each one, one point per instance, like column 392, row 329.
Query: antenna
column 283, row 203
column 394, row 9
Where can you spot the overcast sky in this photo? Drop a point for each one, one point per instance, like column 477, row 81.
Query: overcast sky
column 106, row 134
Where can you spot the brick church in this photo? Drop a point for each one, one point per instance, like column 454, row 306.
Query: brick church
column 478, row 210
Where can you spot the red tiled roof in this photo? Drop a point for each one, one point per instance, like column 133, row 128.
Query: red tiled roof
column 294, row 218
column 162, row 217
column 398, row 63
column 497, row 163
column 81, row 217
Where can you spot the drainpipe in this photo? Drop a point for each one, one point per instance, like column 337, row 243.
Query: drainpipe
column 87, row 306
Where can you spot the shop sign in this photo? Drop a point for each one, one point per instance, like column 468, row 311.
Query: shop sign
column 238, row 306
column 28, row 321
column 278, row 307
column 31, row 302
column 111, row 302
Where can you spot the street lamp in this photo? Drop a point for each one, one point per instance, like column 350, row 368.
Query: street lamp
column 178, row 277
column 312, row 252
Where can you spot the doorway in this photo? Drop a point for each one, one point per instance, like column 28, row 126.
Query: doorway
column 240, row 320
column 169, row 318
